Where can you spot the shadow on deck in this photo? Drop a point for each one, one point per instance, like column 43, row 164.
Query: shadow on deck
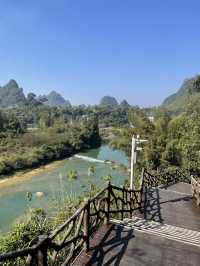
column 119, row 245
column 107, row 247
column 173, row 205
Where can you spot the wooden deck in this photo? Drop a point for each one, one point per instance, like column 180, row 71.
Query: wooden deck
column 173, row 205
column 122, row 245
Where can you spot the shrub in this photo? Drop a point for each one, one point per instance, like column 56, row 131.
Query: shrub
column 23, row 232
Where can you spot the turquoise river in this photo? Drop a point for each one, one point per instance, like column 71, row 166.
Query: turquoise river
column 52, row 180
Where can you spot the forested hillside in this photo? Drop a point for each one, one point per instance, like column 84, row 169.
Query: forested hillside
column 34, row 135
column 189, row 90
column 173, row 140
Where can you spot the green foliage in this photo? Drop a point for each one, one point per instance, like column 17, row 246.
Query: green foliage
column 91, row 170
column 92, row 191
column 107, row 178
column 72, row 174
column 140, row 122
column 64, row 210
column 24, row 232
column 172, row 154
column 10, row 124
column 21, row 148
column 173, row 141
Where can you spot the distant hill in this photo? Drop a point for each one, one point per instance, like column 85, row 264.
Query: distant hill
column 11, row 95
column 108, row 101
column 55, row 99
column 124, row 104
column 188, row 91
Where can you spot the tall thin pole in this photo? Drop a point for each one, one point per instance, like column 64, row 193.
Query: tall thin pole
column 134, row 149
column 132, row 161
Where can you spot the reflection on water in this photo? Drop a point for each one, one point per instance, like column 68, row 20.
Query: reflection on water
column 53, row 182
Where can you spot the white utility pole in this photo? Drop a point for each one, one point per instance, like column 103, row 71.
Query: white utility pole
column 134, row 149
column 132, row 160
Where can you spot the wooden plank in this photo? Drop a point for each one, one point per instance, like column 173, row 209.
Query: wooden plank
column 121, row 246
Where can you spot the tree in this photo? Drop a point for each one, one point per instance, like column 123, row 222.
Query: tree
column 172, row 154
column 91, row 170
column 33, row 101
column 72, row 175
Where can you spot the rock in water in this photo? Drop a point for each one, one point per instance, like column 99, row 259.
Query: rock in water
column 39, row 194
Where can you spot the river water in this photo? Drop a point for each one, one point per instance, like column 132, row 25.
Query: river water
column 53, row 182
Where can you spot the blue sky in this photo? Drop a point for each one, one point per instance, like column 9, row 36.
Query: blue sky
column 140, row 50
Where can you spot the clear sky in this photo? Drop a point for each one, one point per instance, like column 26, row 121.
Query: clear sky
column 140, row 50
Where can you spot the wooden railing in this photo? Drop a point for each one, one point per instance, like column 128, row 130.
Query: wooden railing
column 163, row 179
column 62, row 245
column 195, row 182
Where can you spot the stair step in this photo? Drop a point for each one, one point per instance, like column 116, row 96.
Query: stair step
column 163, row 230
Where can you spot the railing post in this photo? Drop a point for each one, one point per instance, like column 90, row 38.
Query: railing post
column 86, row 224
column 192, row 186
column 141, row 189
column 42, row 251
column 130, row 201
column 30, row 260
column 122, row 203
column 107, row 204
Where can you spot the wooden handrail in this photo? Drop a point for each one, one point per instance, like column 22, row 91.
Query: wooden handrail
column 64, row 243
column 163, row 179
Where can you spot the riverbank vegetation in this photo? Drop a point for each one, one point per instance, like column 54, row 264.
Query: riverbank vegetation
column 51, row 138
column 35, row 134
column 173, row 140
